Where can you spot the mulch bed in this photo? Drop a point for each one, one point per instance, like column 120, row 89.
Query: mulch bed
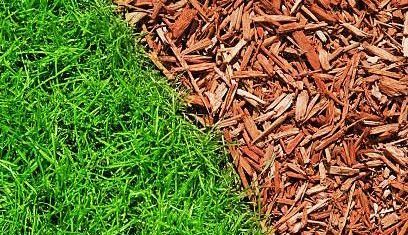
column 311, row 95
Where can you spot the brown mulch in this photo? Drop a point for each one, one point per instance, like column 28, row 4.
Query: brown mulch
column 312, row 96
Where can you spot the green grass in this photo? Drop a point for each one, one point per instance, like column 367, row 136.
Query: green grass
column 91, row 137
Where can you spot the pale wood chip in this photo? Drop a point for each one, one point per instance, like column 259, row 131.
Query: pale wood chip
column 380, row 52
column 301, row 105
column 342, row 170
column 134, row 17
column 234, row 51
column 316, row 189
column 274, row 18
column 405, row 38
column 205, row 43
column 393, row 87
column 389, row 220
column 295, row 6
column 384, row 128
column 356, row 31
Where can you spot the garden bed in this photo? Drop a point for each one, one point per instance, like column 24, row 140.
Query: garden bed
column 312, row 97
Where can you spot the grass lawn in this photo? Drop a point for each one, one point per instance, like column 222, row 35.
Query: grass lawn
column 92, row 140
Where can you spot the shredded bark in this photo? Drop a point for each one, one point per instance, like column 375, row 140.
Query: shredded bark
column 312, row 97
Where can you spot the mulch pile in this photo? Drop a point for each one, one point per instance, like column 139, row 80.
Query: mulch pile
column 312, row 96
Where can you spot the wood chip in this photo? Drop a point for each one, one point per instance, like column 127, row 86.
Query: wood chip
column 389, row 220
column 301, row 105
column 405, row 37
column 380, row 52
column 182, row 22
column 306, row 45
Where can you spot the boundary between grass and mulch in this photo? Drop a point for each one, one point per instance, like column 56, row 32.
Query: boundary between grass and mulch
column 92, row 140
